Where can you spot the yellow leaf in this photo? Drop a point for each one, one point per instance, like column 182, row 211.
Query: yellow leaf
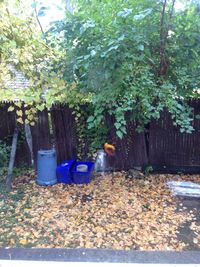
column 23, row 242
column 20, row 120
column 30, row 117
column 11, row 108
column 18, row 104
column 26, row 209
column 36, row 234
column 19, row 113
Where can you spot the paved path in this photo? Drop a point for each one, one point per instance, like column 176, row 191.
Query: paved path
column 85, row 264
column 86, row 257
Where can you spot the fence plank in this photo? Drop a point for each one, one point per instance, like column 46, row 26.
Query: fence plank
column 7, row 126
column 166, row 147
column 64, row 129
column 7, row 122
column 41, row 133
column 170, row 148
column 130, row 151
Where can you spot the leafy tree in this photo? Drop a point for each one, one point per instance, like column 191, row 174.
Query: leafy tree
column 139, row 57
column 24, row 48
column 134, row 56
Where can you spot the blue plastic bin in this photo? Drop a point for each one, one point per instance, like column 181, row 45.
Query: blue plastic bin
column 63, row 172
column 82, row 177
column 46, row 167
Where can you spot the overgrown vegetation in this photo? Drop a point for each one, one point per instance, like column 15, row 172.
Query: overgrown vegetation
column 24, row 49
column 134, row 56
column 139, row 57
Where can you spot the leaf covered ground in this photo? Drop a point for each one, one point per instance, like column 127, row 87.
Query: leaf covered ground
column 111, row 212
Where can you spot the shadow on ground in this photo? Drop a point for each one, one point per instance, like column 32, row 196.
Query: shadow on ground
column 186, row 234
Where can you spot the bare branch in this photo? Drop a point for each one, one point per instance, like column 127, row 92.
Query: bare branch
column 162, row 67
column 36, row 14
column 172, row 9
column 164, row 29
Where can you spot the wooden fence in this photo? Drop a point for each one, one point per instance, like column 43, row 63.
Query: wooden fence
column 164, row 148
column 171, row 150
column 40, row 134
column 64, row 129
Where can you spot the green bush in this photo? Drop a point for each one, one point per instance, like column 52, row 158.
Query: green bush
column 135, row 56
column 4, row 156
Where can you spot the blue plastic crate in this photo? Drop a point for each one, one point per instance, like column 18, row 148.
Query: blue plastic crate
column 82, row 177
column 63, row 172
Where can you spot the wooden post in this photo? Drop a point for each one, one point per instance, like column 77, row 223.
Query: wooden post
column 29, row 141
column 12, row 159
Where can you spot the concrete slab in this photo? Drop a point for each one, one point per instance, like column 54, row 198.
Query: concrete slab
column 85, row 264
column 100, row 255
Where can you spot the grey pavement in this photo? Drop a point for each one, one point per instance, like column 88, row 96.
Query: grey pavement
column 99, row 255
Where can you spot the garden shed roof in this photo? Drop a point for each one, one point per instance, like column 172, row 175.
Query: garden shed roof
column 18, row 80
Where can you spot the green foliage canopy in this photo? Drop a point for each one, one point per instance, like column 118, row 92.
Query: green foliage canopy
column 134, row 56
column 24, row 49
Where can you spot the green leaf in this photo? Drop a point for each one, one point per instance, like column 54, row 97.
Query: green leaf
column 90, row 119
column 123, row 129
column 143, row 14
column 119, row 134
column 197, row 117
column 125, row 13
column 141, row 47
column 117, row 125
column 86, row 57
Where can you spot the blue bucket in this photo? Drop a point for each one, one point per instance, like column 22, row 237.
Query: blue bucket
column 46, row 167
column 82, row 177
column 64, row 172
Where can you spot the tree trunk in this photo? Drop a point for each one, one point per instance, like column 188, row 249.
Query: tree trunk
column 163, row 37
column 12, row 159
column 29, row 141
column 164, row 29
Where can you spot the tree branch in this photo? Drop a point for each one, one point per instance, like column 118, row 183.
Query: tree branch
column 164, row 29
column 172, row 9
column 69, row 7
column 162, row 67
column 40, row 25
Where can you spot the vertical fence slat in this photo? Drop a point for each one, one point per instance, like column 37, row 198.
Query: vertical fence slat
column 7, row 126
column 130, row 151
column 169, row 148
column 7, row 122
column 41, row 133
column 63, row 123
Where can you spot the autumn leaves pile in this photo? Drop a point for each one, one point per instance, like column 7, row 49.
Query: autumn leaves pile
column 111, row 212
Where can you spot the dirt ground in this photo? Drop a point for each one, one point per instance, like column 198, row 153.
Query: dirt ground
column 113, row 212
